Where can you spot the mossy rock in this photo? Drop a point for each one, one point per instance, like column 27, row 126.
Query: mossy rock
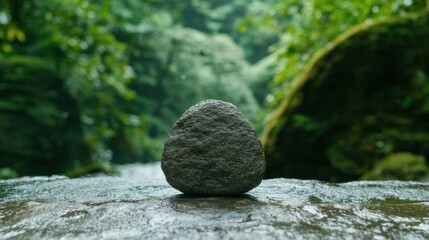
column 404, row 166
column 362, row 97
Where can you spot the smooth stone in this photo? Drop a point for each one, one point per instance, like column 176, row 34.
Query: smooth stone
column 213, row 150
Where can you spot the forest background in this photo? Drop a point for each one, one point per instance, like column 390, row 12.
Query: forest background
column 86, row 84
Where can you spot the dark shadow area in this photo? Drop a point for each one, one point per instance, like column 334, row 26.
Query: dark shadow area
column 182, row 202
column 236, row 197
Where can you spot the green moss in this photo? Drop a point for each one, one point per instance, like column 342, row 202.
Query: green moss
column 393, row 201
column 315, row 200
column 7, row 173
column 404, row 210
column 399, row 207
column 404, row 166
column 361, row 98
column 91, row 168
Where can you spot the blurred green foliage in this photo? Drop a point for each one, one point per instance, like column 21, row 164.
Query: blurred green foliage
column 166, row 69
column 304, row 27
column 62, row 72
column 87, row 83
column 84, row 83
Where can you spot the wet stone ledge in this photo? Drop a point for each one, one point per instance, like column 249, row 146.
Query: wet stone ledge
column 118, row 208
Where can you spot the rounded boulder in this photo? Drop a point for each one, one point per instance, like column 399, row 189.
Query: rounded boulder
column 213, row 150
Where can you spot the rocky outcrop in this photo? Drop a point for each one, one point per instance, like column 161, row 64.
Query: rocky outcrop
column 117, row 208
column 361, row 98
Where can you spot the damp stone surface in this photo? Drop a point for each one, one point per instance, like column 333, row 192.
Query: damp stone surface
column 148, row 208
column 213, row 150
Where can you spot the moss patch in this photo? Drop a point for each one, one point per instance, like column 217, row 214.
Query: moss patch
column 356, row 102
column 400, row 208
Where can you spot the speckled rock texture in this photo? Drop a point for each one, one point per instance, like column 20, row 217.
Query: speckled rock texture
column 98, row 208
column 213, row 150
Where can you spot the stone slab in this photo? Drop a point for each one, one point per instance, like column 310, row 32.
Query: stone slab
column 118, row 208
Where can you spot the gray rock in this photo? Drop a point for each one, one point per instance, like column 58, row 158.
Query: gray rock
column 97, row 208
column 213, row 150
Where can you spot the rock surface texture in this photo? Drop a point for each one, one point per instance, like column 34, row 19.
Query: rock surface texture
column 213, row 150
column 116, row 208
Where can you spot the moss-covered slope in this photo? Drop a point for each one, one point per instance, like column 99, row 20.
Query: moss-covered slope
column 361, row 98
